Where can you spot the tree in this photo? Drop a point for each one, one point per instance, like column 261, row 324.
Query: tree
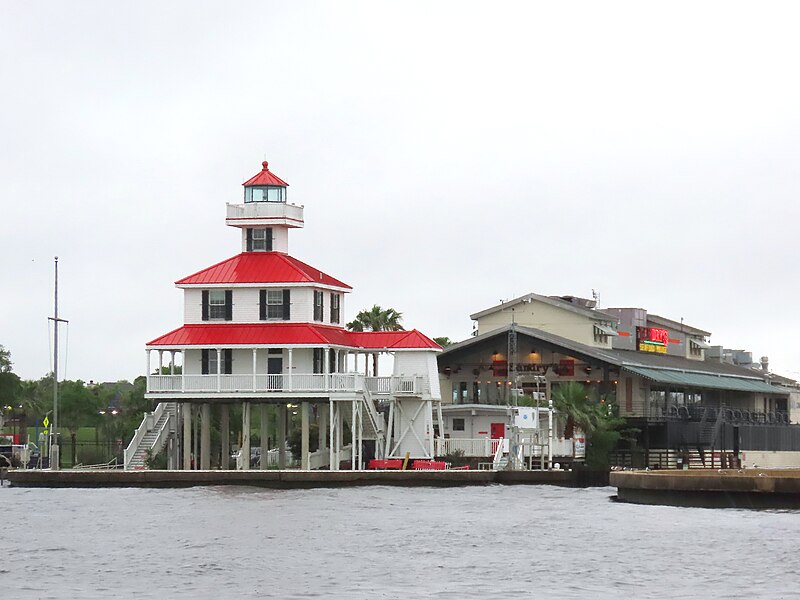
column 77, row 407
column 598, row 419
column 443, row 341
column 376, row 319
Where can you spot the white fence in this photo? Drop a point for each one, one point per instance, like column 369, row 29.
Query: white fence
column 295, row 382
column 481, row 447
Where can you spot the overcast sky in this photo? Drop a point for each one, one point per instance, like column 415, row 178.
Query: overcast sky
column 448, row 154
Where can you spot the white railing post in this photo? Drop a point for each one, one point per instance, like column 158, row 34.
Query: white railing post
column 219, row 370
column 147, row 368
column 255, row 363
column 289, row 375
column 183, row 370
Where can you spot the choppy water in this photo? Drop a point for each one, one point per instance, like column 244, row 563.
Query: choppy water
column 385, row 542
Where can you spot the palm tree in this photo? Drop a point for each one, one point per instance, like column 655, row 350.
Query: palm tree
column 376, row 319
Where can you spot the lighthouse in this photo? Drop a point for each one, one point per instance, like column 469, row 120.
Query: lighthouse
column 264, row 329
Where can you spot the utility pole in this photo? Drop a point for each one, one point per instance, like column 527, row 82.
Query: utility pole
column 54, row 441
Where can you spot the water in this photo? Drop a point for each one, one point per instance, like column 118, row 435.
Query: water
column 386, row 542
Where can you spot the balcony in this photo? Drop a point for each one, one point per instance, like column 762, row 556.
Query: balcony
column 264, row 213
column 485, row 447
column 305, row 383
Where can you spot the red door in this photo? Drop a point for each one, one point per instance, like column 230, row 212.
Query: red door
column 498, row 430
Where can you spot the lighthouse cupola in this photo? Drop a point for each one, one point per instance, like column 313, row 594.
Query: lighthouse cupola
column 265, row 216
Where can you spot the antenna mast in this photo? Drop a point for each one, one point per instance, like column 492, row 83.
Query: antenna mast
column 54, row 441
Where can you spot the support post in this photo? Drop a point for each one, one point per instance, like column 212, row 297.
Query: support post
column 245, row 436
column 282, row 436
column 255, row 364
column 205, row 436
column 305, row 446
column 225, row 437
column 353, row 437
column 264, row 436
column 289, row 371
column 187, row 436
column 332, row 464
column 219, row 370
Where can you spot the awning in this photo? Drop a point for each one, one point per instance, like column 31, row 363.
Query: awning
column 691, row 379
column 698, row 343
column 603, row 330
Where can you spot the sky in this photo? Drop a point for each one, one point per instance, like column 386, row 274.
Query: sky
column 448, row 154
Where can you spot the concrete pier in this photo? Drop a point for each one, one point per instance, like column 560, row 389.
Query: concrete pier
column 722, row 488
column 290, row 479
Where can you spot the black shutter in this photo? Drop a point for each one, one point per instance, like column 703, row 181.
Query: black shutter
column 249, row 239
column 269, row 239
column 205, row 305
column 228, row 305
column 286, row 312
column 262, row 305
column 204, row 359
column 228, row 354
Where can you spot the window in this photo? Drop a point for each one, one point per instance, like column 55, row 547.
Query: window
column 265, row 194
column 458, row 424
column 217, row 305
column 335, row 299
column 274, row 305
column 259, row 240
column 318, row 306
column 208, row 360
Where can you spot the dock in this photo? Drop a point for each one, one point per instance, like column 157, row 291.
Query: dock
column 722, row 488
column 297, row 479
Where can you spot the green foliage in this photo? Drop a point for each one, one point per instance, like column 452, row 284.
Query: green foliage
column 9, row 381
column 598, row 418
column 377, row 319
column 156, row 461
column 296, row 442
column 443, row 341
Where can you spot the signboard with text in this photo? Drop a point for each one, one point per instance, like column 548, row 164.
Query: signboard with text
column 652, row 339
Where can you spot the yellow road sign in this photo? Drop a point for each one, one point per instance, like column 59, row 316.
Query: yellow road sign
column 46, row 422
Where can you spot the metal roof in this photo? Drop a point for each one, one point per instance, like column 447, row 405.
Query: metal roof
column 261, row 267
column 265, row 178
column 552, row 301
column 691, row 379
column 676, row 326
column 291, row 334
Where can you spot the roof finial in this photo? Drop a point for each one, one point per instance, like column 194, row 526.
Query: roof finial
column 265, row 164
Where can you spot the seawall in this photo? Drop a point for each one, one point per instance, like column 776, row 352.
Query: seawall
column 296, row 479
column 723, row 488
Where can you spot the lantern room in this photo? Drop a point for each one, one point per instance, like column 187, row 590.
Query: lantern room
column 265, row 216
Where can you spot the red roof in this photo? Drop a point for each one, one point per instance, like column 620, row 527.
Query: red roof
column 283, row 334
column 265, row 178
column 261, row 267
column 392, row 339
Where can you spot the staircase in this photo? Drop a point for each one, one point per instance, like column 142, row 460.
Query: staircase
column 374, row 426
column 151, row 435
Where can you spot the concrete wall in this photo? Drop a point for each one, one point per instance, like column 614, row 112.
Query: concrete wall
column 770, row 459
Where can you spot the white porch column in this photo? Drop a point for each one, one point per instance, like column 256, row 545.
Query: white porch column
column 353, row 438
column 332, row 456
column 281, row 435
column 160, row 361
column 219, row 370
column 289, row 373
column 147, row 368
column 183, row 370
column 245, row 436
column 205, row 436
column 172, row 362
column 264, row 436
column 255, row 363
column 187, row 436
column 326, row 368
column 305, row 445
